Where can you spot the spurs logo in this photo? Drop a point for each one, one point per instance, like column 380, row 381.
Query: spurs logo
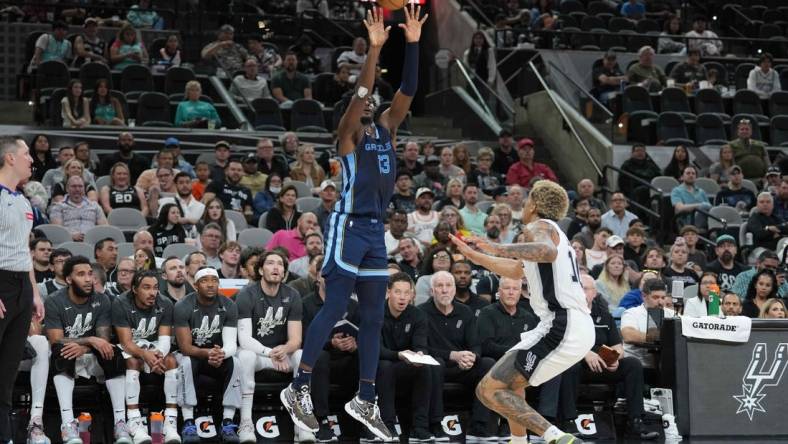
column 758, row 376
column 530, row 360
column 80, row 326
column 144, row 330
column 203, row 335
column 266, row 324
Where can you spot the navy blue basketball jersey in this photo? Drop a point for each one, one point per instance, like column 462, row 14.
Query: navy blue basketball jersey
column 368, row 176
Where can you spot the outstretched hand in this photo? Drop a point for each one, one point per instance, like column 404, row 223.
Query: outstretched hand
column 483, row 245
column 378, row 32
column 412, row 25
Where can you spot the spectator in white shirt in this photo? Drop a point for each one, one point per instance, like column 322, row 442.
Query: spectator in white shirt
column 617, row 218
column 354, row 59
column 192, row 208
column 250, row 85
column 707, row 46
column 639, row 325
column 763, row 79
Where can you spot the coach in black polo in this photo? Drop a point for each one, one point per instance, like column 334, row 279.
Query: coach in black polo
column 19, row 300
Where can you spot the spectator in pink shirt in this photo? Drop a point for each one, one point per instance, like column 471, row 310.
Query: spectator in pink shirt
column 293, row 240
column 525, row 171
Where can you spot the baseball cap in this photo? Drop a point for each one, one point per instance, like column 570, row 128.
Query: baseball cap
column 725, row 238
column 524, row 142
column 689, row 229
column 774, row 169
column 251, row 157
column 614, row 241
column 432, row 159
column 504, row 133
column 327, row 183
column 735, row 167
column 423, row 190
column 172, row 141
column 222, row 143
column 226, row 28
column 90, row 21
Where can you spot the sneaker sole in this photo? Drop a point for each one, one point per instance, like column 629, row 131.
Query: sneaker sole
column 366, row 424
column 147, row 440
column 173, row 441
column 290, row 411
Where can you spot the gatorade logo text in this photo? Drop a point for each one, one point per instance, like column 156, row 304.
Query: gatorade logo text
column 267, row 428
column 585, row 424
column 451, row 425
column 205, row 427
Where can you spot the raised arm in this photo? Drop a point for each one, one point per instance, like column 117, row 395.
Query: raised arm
column 400, row 105
column 504, row 267
column 350, row 125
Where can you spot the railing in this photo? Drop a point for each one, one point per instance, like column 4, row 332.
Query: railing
column 567, row 121
column 479, row 11
column 585, row 103
column 472, row 82
column 606, row 189
column 563, row 38
column 313, row 14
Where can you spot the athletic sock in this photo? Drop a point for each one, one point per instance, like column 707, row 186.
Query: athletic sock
column 552, row 434
column 518, row 440
column 171, row 412
column 366, row 391
column 302, row 378
column 133, row 413
column 188, row 413
column 132, row 387
column 39, row 372
column 229, row 413
column 117, row 393
column 171, row 387
column 64, row 386
column 246, row 406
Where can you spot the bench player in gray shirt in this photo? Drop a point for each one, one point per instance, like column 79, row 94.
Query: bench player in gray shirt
column 269, row 330
column 143, row 325
column 206, row 331
column 78, row 326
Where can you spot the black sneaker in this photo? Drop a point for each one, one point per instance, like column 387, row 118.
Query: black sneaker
column 326, row 432
column 298, row 404
column 420, row 435
column 636, row 429
column 438, row 434
column 479, row 434
column 368, row 414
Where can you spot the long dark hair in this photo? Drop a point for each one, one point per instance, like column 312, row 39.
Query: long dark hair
column 98, row 100
column 48, row 157
column 478, row 59
column 675, row 168
column 751, row 288
column 162, row 220
column 74, row 103
column 221, row 222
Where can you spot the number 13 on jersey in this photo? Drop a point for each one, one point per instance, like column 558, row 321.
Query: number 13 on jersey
column 384, row 165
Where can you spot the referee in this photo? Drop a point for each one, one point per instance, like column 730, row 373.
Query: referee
column 19, row 296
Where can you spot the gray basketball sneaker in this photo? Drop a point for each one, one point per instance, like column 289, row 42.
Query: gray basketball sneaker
column 299, row 405
column 368, row 414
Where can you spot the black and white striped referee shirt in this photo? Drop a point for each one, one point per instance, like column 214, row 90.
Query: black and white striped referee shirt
column 16, row 221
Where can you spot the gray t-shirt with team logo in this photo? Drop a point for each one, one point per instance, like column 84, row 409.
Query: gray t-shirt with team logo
column 77, row 320
column 269, row 314
column 206, row 321
column 144, row 323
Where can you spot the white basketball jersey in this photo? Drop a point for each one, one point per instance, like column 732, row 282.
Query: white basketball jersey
column 554, row 286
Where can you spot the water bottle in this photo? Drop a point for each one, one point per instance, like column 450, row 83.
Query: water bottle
column 84, row 427
column 157, row 428
column 714, row 300
column 748, row 241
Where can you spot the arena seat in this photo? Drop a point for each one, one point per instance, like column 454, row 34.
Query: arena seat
column 99, row 232
column 710, row 101
column 179, row 250
column 675, row 100
column 127, row 219
column 741, row 74
column 57, row 234
column 153, row 107
column 302, row 189
column 307, row 203
column 79, row 249
column 135, row 80
column 51, row 75
column 748, row 102
column 267, row 112
column 710, row 186
column 730, row 215
column 306, row 112
column 255, row 237
column 778, row 103
column 125, row 249
column 779, row 130
column 238, row 219
column 710, row 130
column 176, row 78
column 664, row 183
column 672, row 130
column 92, row 72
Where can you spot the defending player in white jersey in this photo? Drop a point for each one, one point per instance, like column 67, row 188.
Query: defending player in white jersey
column 565, row 332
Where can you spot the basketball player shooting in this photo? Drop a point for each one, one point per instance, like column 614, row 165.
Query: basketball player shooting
column 355, row 257
column 565, row 332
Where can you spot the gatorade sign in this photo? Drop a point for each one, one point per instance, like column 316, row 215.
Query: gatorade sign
column 451, row 425
column 205, row 427
column 267, row 428
column 730, row 329
column 585, row 424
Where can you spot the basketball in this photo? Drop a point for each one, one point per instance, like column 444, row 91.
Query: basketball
column 392, row 5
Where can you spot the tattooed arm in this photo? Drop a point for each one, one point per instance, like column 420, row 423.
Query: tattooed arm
column 539, row 247
column 504, row 267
